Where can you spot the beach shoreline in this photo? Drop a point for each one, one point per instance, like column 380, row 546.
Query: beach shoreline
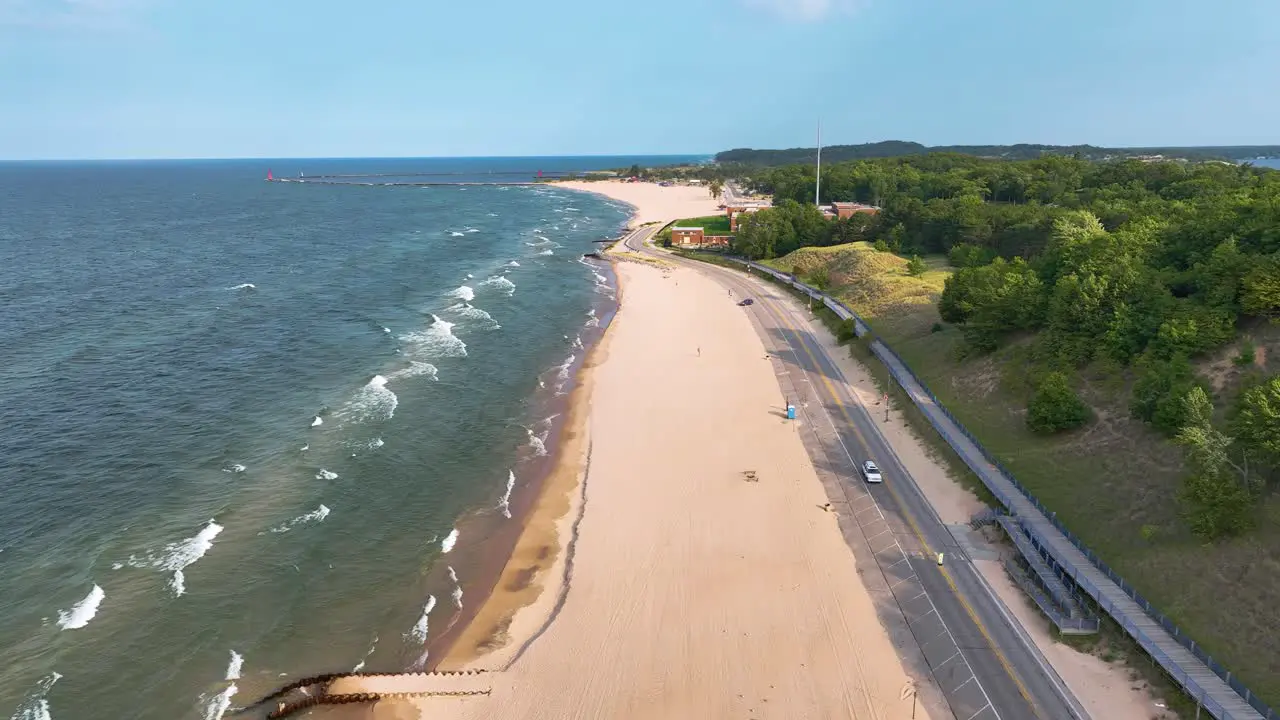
column 534, row 577
column 655, row 577
column 513, row 555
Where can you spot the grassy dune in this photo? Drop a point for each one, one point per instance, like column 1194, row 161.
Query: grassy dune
column 1113, row 482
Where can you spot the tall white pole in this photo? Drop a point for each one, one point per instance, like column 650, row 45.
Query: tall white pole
column 817, row 189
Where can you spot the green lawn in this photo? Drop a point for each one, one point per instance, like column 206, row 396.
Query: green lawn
column 711, row 225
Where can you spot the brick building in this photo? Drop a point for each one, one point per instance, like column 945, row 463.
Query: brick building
column 686, row 236
column 844, row 210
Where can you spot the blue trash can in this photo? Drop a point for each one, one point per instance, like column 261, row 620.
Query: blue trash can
column 791, row 411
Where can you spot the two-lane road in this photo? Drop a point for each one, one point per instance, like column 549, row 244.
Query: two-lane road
column 979, row 659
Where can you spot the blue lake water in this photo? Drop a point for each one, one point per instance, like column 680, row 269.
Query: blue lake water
column 240, row 420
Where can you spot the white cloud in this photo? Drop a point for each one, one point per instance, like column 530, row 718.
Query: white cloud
column 808, row 10
column 69, row 14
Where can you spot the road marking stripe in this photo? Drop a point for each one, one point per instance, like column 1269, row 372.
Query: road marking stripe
column 906, row 513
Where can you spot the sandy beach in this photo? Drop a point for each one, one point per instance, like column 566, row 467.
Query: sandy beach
column 707, row 580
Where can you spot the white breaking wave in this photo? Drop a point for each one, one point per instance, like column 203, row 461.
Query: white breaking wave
column 504, row 504
column 419, row 631
column 455, row 233
column 450, row 540
column 374, row 402
column 218, row 705
column 233, row 667
column 473, row 230
column 177, row 557
column 360, row 665
column 471, row 312
column 513, row 263
column 457, row 589
column 35, row 706
column 592, row 320
column 493, row 214
column 244, row 286
column 326, row 475
column 237, row 468
column 463, row 293
column 436, row 341
column 317, row 422
column 538, row 442
column 546, row 252
column 577, row 342
column 498, row 282
column 317, row 515
column 374, row 444
column 82, row 612
column 386, row 329
column 564, row 368
column 415, row 369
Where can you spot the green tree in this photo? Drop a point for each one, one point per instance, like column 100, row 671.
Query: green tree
column 764, row 234
column 635, row 171
column 993, row 300
column 1158, row 395
column 916, row 266
column 1215, row 494
column 1257, row 422
column 1260, row 288
column 1055, row 407
column 716, row 187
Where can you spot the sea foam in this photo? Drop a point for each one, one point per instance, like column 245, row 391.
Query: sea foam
column 475, row 314
column 373, row 402
column 504, row 503
column 500, row 283
column 537, row 442
column 463, row 293
column 419, row 631
column 233, row 667
column 35, row 706
column 317, row 422
column 317, row 515
column 415, row 369
column 82, row 612
column 219, row 704
column 449, row 541
column 437, row 340
column 178, row 556
column 326, row 475
column 457, row 589
column 244, row 286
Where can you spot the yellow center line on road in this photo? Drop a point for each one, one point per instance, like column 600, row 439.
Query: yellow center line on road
column 779, row 315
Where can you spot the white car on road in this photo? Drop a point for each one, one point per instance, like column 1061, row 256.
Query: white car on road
column 871, row 472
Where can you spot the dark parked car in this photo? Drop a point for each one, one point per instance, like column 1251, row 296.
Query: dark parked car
column 746, row 302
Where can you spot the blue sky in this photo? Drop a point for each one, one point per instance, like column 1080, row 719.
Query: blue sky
column 293, row 78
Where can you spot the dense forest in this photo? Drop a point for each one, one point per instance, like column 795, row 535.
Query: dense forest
column 899, row 148
column 1143, row 265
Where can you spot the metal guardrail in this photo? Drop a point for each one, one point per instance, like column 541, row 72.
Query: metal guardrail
column 1184, row 676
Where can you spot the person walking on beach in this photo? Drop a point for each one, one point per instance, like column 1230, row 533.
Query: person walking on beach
column 699, row 351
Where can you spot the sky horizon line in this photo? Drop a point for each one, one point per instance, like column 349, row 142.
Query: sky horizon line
column 233, row 158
